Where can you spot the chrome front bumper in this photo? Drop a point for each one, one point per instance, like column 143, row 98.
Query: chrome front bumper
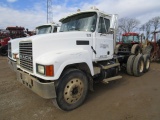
column 45, row 90
column 12, row 64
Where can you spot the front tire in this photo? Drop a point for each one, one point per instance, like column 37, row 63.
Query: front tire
column 72, row 89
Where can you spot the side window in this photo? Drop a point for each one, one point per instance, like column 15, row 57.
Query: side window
column 107, row 23
column 55, row 29
column 101, row 26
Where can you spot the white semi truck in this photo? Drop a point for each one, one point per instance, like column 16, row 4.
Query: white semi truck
column 13, row 45
column 64, row 66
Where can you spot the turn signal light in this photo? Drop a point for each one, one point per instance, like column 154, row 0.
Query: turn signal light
column 15, row 55
column 49, row 70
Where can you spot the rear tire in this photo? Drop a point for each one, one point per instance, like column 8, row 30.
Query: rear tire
column 72, row 89
column 138, row 65
column 146, row 62
column 136, row 49
column 130, row 64
column 148, row 50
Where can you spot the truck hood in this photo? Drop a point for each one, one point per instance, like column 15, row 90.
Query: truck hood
column 57, row 42
column 59, row 35
column 14, row 46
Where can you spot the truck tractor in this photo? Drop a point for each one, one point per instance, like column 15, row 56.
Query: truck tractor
column 13, row 45
column 129, row 48
column 4, row 46
column 65, row 65
column 13, row 32
column 153, row 47
column 4, row 38
column 130, row 44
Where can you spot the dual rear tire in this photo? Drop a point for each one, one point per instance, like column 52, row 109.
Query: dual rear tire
column 137, row 65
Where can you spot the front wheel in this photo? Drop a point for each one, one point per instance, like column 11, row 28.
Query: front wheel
column 72, row 89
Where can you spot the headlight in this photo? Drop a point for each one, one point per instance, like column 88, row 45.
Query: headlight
column 47, row 70
column 41, row 69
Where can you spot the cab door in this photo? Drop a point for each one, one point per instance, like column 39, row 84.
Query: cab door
column 104, row 41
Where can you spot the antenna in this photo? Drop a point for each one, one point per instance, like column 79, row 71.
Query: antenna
column 49, row 11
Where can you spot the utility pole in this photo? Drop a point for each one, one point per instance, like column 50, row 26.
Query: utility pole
column 49, row 11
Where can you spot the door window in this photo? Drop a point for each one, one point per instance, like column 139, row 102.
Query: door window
column 55, row 29
column 101, row 26
column 107, row 23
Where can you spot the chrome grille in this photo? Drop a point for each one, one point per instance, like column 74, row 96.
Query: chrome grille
column 25, row 50
column 9, row 50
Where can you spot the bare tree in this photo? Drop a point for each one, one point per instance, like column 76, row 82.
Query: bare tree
column 146, row 28
column 150, row 26
column 142, row 28
column 128, row 24
column 119, row 34
column 155, row 22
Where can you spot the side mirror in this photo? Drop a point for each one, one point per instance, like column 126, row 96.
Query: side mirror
column 114, row 22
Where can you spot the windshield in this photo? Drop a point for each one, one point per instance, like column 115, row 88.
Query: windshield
column 43, row 29
column 129, row 39
column 80, row 22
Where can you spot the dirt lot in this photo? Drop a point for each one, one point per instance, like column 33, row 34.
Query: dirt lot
column 131, row 98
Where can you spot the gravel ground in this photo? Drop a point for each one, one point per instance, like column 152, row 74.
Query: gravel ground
column 131, row 98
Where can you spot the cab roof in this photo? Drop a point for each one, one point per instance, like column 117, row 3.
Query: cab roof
column 49, row 24
column 87, row 11
column 130, row 33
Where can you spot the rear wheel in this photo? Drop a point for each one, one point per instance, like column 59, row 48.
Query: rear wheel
column 138, row 65
column 72, row 90
column 146, row 62
column 136, row 49
column 130, row 64
column 148, row 50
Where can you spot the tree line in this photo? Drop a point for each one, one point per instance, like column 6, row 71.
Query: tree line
column 133, row 25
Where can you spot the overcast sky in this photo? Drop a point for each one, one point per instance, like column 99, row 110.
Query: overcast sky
column 31, row 13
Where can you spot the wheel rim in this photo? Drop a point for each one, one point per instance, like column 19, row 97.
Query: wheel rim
column 73, row 90
column 141, row 66
column 147, row 63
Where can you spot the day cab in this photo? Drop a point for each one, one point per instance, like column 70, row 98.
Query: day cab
column 63, row 66
column 13, row 44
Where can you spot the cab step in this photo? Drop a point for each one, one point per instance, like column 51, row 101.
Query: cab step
column 110, row 66
column 105, row 81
